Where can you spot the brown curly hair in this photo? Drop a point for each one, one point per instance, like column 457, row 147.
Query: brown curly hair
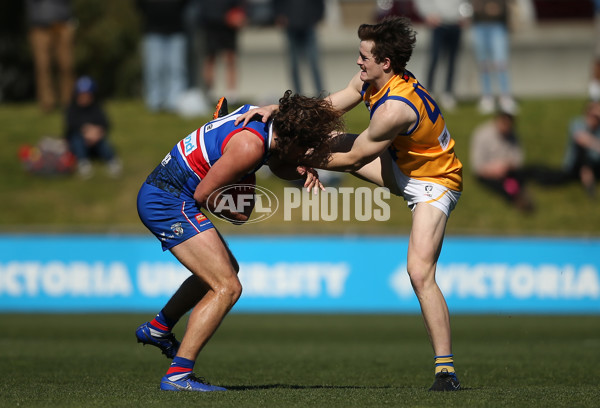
column 393, row 38
column 304, row 124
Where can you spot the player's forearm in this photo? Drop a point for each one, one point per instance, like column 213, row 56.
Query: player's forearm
column 347, row 98
column 227, row 209
column 346, row 162
column 348, row 153
column 233, row 217
column 240, row 218
column 286, row 172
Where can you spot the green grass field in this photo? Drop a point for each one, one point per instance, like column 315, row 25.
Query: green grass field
column 303, row 361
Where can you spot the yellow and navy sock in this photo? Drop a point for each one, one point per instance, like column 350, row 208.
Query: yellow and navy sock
column 162, row 323
column 444, row 363
column 180, row 368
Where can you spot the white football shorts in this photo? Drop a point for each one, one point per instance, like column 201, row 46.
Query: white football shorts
column 419, row 191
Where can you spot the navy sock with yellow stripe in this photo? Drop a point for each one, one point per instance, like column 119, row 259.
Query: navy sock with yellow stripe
column 444, row 363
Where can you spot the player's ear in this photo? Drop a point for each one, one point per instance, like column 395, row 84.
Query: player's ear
column 387, row 64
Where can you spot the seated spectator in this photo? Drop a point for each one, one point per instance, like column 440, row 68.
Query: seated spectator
column 87, row 130
column 497, row 160
column 582, row 158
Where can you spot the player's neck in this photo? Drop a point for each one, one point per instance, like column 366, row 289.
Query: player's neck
column 380, row 82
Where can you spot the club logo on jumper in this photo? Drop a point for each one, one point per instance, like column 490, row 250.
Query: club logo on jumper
column 238, row 198
column 177, row 229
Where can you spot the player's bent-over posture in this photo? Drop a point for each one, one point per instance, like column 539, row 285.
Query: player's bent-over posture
column 408, row 149
column 188, row 180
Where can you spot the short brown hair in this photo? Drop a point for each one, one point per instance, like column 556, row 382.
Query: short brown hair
column 393, row 38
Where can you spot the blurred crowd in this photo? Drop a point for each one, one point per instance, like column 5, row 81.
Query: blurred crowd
column 185, row 45
column 497, row 158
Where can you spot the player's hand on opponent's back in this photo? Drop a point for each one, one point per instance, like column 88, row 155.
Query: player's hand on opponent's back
column 311, row 181
column 264, row 111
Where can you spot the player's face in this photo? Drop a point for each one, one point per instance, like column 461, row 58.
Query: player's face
column 370, row 69
column 294, row 155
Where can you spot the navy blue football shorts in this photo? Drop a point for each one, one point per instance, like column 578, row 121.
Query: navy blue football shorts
column 171, row 219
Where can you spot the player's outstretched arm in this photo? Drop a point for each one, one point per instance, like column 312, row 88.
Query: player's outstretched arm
column 353, row 152
column 344, row 100
column 241, row 155
column 347, row 98
column 289, row 171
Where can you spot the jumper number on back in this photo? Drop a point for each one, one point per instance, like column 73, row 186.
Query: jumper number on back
column 433, row 111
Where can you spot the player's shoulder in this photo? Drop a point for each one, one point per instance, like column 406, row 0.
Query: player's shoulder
column 401, row 87
column 396, row 110
column 245, row 144
column 394, row 115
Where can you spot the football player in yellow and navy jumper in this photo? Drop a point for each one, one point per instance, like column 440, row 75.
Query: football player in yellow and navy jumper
column 407, row 148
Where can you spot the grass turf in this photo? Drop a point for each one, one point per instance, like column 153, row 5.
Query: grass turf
column 303, row 361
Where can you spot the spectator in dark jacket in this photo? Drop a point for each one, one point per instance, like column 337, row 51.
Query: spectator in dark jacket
column 299, row 18
column 87, row 129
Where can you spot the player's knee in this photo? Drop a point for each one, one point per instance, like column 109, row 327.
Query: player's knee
column 416, row 280
column 420, row 278
column 235, row 265
column 230, row 290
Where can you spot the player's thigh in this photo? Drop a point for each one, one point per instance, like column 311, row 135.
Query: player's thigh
column 207, row 256
column 234, row 262
column 380, row 172
column 427, row 235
